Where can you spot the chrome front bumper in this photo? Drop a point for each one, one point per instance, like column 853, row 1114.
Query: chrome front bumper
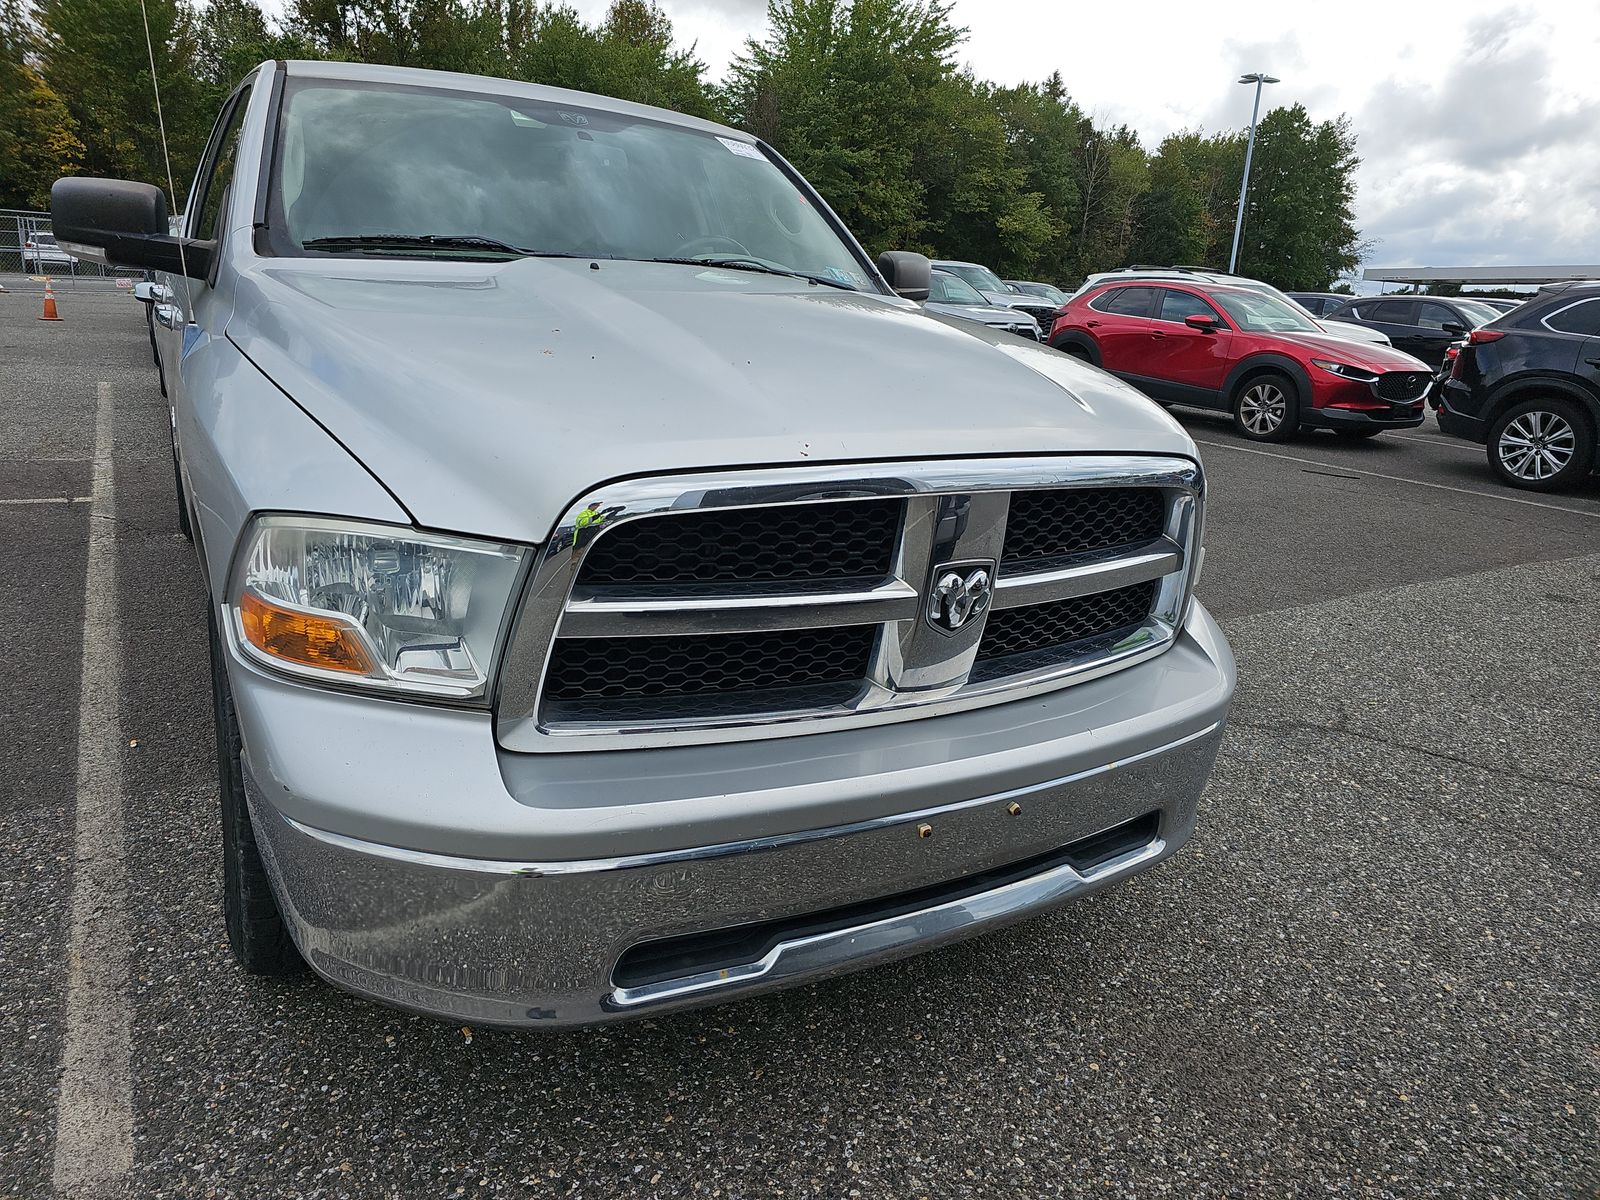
column 550, row 942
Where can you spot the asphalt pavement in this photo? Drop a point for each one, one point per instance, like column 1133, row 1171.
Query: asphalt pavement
column 1373, row 972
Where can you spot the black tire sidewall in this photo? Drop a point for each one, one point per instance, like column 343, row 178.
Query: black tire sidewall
column 257, row 935
column 1583, row 458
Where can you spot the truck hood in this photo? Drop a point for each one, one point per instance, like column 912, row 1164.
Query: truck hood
column 489, row 396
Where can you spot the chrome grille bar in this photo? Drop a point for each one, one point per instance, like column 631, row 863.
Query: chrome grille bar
column 613, row 612
column 954, row 516
column 1021, row 590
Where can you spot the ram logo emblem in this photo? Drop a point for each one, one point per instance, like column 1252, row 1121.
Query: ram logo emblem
column 960, row 592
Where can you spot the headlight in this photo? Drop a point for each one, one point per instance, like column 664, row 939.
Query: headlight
column 1345, row 370
column 376, row 606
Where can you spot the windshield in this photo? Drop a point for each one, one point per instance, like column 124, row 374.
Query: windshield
column 1257, row 312
column 1043, row 290
column 1478, row 313
column 981, row 278
column 491, row 177
column 952, row 289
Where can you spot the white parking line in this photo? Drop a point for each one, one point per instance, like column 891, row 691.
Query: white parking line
column 94, row 1114
column 1443, row 487
column 48, row 500
column 1454, row 444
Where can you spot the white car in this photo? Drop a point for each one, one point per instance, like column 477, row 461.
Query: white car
column 41, row 254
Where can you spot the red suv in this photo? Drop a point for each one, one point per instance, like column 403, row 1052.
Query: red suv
column 1238, row 350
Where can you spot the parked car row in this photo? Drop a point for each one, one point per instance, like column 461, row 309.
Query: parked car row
column 1419, row 325
column 1521, row 376
column 998, row 293
column 953, row 296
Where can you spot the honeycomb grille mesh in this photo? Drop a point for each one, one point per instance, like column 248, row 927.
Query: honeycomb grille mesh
column 703, row 674
column 835, row 540
column 1067, row 522
column 1062, row 624
column 1402, row 385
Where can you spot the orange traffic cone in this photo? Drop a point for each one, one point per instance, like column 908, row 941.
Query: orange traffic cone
column 49, row 313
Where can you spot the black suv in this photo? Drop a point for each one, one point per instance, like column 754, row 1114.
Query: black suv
column 1422, row 326
column 1528, row 387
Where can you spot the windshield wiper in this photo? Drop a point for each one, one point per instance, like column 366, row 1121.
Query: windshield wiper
column 429, row 241
column 753, row 264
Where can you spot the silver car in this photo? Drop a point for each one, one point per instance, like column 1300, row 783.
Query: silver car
column 620, row 597
column 952, row 296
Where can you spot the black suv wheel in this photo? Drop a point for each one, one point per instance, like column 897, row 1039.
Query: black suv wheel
column 1543, row 445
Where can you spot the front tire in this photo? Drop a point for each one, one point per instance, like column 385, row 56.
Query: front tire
column 257, row 934
column 184, row 527
column 1266, row 408
column 1542, row 445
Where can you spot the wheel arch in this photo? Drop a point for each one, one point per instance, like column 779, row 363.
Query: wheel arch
column 1260, row 364
column 1528, row 387
column 1082, row 341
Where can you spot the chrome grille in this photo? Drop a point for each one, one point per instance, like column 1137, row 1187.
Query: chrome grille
column 704, row 608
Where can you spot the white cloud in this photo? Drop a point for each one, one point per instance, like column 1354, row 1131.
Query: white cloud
column 1478, row 125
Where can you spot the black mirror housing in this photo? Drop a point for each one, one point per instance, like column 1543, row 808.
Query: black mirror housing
column 125, row 224
column 908, row 273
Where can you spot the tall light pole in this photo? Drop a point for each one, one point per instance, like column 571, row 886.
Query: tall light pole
column 1258, row 78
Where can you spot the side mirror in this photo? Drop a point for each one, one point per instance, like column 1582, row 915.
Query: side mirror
column 145, row 291
column 1455, row 328
column 1204, row 322
column 908, row 273
column 122, row 223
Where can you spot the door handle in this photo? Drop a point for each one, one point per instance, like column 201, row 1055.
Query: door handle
column 1158, row 334
column 1593, row 362
column 167, row 315
column 1092, row 324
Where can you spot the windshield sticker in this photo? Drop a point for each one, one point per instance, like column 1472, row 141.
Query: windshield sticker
column 742, row 149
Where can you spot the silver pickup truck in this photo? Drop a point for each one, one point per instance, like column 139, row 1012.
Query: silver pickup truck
column 623, row 594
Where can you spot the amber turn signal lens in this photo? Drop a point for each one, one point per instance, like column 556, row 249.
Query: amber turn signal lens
column 303, row 638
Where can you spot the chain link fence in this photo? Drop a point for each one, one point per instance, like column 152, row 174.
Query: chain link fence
column 28, row 248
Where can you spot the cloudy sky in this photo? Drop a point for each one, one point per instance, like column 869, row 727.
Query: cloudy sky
column 1478, row 123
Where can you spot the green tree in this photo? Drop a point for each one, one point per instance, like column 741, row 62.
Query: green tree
column 38, row 137
column 978, row 205
column 1112, row 172
column 234, row 37
column 631, row 55
column 1170, row 218
column 1299, row 227
column 92, row 54
column 1044, row 135
column 850, row 93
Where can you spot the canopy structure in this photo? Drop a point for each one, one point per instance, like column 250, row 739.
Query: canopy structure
column 1482, row 275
